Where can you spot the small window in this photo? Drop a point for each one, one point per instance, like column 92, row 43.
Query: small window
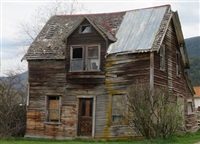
column 85, row 29
column 162, row 57
column 190, row 107
column 53, row 108
column 118, row 109
column 178, row 64
column 85, row 58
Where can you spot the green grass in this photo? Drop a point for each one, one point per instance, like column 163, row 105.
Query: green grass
column 188, row 138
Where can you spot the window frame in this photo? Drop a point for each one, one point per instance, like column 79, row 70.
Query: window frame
column 190, row 103
column 47, row 109
column 123, row 117
column 85, row 57
column 178, row 63
column 86, row 25
column 71, row 56
column 162, row 57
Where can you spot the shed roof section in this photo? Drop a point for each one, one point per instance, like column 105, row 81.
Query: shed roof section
column 139, row 30
column 197, row 91
column 131, row 31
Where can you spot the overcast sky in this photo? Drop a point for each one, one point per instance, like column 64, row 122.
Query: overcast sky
column 15, row 11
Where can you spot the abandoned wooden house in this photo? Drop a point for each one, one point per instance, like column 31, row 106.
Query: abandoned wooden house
column 79, row 67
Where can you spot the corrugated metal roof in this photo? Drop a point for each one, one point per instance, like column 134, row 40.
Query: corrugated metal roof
column 138, row 30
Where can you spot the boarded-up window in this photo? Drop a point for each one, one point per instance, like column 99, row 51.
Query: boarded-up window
column 178, row 63
column 118, row 109
column 85, row 58
column 162, row 57
column 53, row 108
column 190, row 107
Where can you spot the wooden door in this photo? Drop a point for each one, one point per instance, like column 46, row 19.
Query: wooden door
column 85, row 117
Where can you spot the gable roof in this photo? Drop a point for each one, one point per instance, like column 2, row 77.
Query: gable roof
column 134, row 31
column 197, row 91
column 49, row 44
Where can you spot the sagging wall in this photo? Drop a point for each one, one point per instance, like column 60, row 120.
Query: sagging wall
column 121, row 71
column 176, row 83
column 54, row 77
column 48, row 77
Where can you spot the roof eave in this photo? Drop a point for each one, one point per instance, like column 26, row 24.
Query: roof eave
column 180, row 37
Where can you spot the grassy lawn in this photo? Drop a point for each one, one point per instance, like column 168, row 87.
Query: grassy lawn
column 187, row 138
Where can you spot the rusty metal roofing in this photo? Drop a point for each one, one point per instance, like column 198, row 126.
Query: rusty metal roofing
column 138, row 30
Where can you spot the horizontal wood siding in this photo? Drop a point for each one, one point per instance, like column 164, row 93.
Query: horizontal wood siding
column 53, row 77
column 121, row 71
column 177, row 84
column 48, row 77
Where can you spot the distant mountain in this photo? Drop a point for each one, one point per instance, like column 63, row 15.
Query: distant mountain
column 193, row 49
column 23, row 77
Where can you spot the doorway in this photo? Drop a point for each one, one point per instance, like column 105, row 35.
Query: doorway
column 85, row 116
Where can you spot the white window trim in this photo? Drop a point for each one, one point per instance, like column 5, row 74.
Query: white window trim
column 85, row 58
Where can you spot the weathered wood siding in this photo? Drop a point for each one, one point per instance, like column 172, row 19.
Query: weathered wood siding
column 121, row 71
column 54, row 77
column 89, row 84
column 177, row 84
column 48, row 77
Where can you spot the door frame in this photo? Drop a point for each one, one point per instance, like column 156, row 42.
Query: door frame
column 93, row 111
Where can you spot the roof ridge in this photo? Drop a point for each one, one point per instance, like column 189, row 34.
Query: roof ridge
column 117, row 12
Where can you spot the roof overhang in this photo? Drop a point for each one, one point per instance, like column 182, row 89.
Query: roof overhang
column 95, row 26
column 181, row 41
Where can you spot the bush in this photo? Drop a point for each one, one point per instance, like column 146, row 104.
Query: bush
column 153, row 113
column 12, row 106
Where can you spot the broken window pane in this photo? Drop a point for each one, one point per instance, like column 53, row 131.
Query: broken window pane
column 77, row 53
column 93, row 58
column 85, row 29
column 85, row 58
column 93, row 64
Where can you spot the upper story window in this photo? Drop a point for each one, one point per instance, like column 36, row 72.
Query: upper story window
column 85, row 28
column 162, row 57
column 85, row 58
column 178, row 63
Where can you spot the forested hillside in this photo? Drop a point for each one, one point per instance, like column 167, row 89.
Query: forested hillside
column 193, row 49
